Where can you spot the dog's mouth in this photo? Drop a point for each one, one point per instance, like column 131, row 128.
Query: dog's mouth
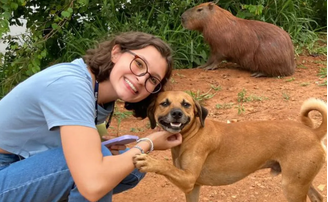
column 172, row 127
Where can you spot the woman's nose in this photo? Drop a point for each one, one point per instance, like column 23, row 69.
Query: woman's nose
column 142, row 79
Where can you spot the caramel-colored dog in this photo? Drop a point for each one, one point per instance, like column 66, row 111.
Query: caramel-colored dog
column 214, row 153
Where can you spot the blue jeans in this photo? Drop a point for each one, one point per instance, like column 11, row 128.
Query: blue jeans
column 45, row 177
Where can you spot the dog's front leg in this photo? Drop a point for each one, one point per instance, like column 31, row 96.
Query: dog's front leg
column 193, row 196
column 184, row 179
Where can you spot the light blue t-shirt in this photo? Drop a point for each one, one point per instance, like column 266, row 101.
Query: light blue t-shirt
column 30, row 115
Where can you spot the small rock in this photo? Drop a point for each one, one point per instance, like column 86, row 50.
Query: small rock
column 321, row 187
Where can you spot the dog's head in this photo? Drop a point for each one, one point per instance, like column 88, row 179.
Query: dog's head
column 175, row 111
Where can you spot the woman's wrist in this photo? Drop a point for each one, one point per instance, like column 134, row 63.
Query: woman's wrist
column 146, row 139
column 143, row 147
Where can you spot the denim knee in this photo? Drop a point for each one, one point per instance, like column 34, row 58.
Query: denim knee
column 129, row 181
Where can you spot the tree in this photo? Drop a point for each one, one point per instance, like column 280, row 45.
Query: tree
column 62, row 30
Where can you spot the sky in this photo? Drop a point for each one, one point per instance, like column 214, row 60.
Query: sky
column 14, row 30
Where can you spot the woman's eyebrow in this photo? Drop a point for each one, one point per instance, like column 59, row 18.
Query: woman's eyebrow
column 148, row 65
column 156, row 75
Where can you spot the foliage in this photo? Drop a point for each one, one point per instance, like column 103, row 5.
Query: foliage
column 241, row 97
column 62, row 30
column 201, row 97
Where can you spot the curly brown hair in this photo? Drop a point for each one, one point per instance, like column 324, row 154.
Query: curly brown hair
column 99, row 61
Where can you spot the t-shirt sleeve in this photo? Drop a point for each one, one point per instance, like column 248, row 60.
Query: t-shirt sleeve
column 68, row 101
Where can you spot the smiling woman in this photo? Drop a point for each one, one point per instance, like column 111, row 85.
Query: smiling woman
column 97, row 60
column 57, row 142
column 139, row 67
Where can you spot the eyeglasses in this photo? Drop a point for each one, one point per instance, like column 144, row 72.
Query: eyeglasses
column 139, row 67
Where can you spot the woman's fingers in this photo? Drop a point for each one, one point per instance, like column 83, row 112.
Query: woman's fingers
column 117, row 147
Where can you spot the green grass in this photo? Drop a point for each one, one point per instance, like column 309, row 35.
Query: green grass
column 322, row 72
column 243, row 98
column 224, row 106
column 305, row 84
column 119, row 116
column 290, row 79
column 285, row 96
column 201, row 97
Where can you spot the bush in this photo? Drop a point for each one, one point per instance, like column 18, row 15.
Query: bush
column 63, row 30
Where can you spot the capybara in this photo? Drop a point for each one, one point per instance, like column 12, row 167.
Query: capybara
column 260, row 47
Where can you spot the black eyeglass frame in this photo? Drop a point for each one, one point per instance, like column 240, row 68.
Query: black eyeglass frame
column 158, row 87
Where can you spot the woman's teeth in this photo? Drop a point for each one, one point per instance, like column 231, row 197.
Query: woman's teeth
column 131, row 85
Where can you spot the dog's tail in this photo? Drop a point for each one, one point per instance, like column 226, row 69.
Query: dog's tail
column 318, row 105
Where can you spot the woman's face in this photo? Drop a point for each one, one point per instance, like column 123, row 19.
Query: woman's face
column 127, row 85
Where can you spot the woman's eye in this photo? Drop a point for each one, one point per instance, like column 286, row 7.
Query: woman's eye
column 139, row 64
column 153, row 80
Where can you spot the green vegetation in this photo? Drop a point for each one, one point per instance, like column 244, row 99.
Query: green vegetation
column 63, row 30
column 290, row 79
column 224, row 106
column 305, row 84
column 285, row 96
column 119, row 116
column 240, row 108
column 216, row 88
column 322, row 72
column 201, row 97
column 243, row 98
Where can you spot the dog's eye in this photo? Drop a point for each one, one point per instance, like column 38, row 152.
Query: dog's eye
column 185, row 104
column 165, row 104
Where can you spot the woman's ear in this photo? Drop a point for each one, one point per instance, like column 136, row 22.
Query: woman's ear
column 116, row 53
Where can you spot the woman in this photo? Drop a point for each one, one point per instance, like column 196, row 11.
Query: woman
column 50, row 149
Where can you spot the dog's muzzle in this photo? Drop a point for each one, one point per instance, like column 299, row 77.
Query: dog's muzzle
column 174, row 121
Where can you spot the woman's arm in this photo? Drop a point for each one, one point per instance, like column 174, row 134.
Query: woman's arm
column 93, row 174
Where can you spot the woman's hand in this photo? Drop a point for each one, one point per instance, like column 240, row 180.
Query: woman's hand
column 114, row 149
column 164, row 140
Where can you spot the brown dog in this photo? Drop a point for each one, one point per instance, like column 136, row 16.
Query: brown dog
column 262, row 48
column 215, row 153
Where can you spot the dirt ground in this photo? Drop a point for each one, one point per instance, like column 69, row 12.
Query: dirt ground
column 219, row 91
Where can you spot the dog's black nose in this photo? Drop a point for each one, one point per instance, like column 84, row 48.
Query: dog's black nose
column 176, row 113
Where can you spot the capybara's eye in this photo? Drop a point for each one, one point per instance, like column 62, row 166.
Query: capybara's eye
column 199, row 9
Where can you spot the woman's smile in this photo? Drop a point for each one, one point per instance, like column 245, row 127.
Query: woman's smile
column 132, row 87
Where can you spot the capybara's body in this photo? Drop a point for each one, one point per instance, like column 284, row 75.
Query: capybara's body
column 260, row 47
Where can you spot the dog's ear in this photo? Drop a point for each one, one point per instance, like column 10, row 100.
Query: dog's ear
column 201, row 112
column 150, row 114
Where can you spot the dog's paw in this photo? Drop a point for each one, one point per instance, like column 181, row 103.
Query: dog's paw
column 144, row 163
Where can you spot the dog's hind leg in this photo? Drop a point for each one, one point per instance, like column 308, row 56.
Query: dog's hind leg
column 294, row 192
column 297, row 182
column 193, row 196
column 314, row 195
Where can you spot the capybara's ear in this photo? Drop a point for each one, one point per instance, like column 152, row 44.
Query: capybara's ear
column 150, row 114
column 201, row 112
column 211, row 5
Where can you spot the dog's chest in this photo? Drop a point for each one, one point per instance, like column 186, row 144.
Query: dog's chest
column 177, row 163
column 176, row 157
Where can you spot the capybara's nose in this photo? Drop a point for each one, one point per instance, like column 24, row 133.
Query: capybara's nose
column 176, row 113
column 182, row 19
